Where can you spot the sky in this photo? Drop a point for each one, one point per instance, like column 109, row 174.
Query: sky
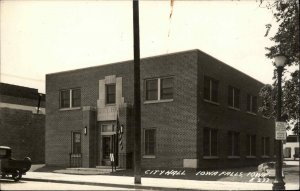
column 42, row 37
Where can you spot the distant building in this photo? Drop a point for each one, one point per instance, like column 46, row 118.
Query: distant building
column 21, row 128
column 291, row 148
column 196, row 112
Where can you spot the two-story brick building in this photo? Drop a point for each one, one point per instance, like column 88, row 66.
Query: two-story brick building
column 196, row 112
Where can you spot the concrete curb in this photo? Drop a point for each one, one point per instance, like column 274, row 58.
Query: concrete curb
column 107, row 184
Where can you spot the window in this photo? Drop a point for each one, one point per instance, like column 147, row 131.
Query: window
column 251, row 145
column 210, row 145
column 251, row 103
column 151, row 89
column 233, row 144
column 233, row 97
column 265, row 146
column 210, row 89
column 159, row 89
column 150, row 139
column 70, row 98
column 110, row 93
column 287, row 152
column 296, row 155
column 166, row 88
column 76, row 143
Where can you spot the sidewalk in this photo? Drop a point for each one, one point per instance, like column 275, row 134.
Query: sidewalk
column 149, row 183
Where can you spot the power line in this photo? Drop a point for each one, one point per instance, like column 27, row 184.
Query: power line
column 22, row 77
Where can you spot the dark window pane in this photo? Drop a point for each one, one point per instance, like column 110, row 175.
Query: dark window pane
column 151, row 89
column 236, row 144
column 230, row 96
column 229, row 143
column 214, row 96
column 76, row 98
column 254, row 104
column 76, row 143
column 248, row 145
column 206, row 146
column 167, row 88
column 253, row 145
column 150, row 142
column 65, row 99
column 206, row 88
column 236, row 98
column 214, row 142
column 248, row 102
column 110, row 93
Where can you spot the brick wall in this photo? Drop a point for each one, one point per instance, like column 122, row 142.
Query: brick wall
column 175, row 122
column 225, row 119
column 24, row 132
column 60, row 124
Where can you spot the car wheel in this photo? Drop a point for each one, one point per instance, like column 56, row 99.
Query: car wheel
column 3, row 175
column 17, row 175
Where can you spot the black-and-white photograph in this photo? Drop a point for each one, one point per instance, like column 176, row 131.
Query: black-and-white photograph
column 149, row 95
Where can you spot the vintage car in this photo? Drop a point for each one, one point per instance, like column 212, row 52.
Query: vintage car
column 11, row 166
column 269, row 169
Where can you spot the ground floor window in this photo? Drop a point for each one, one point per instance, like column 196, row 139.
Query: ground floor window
column 76, row 142
column 233, row 143
column 265, row 146
column 251, row 145
column 149, row 142
column 296, row 155
column 287, row 152
column 210, row 144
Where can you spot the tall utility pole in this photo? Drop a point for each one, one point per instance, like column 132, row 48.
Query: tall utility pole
column 137, row 94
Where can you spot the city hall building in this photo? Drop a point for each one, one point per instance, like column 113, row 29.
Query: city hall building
column 196, row 112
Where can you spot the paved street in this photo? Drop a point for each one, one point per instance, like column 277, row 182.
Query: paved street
column 34, row 185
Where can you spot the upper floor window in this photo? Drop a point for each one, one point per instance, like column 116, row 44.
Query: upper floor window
column 110, row 93
column 152, row 89
column 150, row 142
column 233, row 143
column 251, row 103
column 233, row 97
column 166, row 88
column 70, row 98
column 159, row 89
column 210, row 142
column 251, row 145
column 210, row 89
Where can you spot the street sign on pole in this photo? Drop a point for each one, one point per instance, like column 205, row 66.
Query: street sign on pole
column 280, row 130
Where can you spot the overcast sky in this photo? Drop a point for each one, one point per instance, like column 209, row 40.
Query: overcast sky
column 40, row 37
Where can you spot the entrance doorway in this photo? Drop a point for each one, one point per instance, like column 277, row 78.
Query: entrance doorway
column 108, row 143
column 106, row 149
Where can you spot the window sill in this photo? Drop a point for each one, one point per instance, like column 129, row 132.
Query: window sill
column 250, row 157
column 234, row 108
column 69, row 109
column 251, row 113
column 110, row 104
column 265, row 156
column 211, row 102
column 149, row 157
column 210, row 157
column 158, row 101
column 233, row 157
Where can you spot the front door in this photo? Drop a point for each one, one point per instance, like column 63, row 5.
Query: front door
column 106, row 149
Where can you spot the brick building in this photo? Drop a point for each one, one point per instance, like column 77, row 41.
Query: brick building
column 21, row 128
column 196, row 112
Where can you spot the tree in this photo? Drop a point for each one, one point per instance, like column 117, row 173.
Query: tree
column 286, row 41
